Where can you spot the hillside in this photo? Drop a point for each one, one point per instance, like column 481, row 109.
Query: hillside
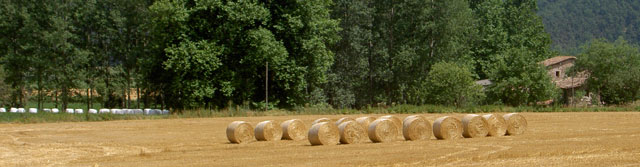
column 571, row 23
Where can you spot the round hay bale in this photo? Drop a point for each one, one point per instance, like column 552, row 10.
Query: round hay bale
column 240, row 132
column 13, row 110
column 497, row 124
column 413, row 116
column 351, row 132
column 104, row 111
column 293, row 130
column 446, row 128
column 382, row 130
column 46, row 110
column 324, row 133
column 93, row 111
column 320, row 120
column 396, row 121
column 79, row 111
column 3, row 110
column 20, row 110
column 416, row 128
column 147, row 111
column 268, row 131
column 365, row 121
column 344, row 119
column 69, row 110
column 55, row 110
column 516, row 124
column 474, row 126
column 33, row 110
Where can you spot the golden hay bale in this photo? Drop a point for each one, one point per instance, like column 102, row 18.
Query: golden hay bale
column 516, row 124
column 293, row 130
column 321, row 120
column 365, row 121
column 497, row 124
column 412, row 116
column 351, row 132
column 396, row 121
column 474, row 126
column 324, row 133
column 344, row 119
column 240, row 132
column 268, row 131
column 382, row 130
column 446, row 128
column 416, row 128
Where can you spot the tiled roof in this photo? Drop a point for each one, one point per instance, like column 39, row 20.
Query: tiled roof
column 557, row 59
column 573, row 82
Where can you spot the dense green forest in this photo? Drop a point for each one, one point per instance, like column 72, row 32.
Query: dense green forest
column 185, row 54
column 572, row 23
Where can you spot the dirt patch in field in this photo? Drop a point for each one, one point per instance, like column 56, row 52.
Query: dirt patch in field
column 551, row 139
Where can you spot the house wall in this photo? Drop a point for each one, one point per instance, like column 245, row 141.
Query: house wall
column 561, row 68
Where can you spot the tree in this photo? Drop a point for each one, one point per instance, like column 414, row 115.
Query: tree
column 504, row 25
column 351, row 79
column 519, row 79
column 451, row 84
column 60, row 50
column 212, row 52
column 614, row 69
column 20, row 33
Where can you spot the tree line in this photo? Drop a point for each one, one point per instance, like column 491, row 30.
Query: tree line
column 185, row 54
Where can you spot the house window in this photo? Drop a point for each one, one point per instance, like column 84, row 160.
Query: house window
column 557, row 73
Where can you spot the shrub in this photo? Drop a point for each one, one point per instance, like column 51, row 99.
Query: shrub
column 451, row 84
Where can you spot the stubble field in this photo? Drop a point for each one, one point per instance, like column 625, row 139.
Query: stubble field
column 552, row 139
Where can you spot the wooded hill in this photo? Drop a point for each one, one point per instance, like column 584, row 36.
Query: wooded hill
column 572, row 23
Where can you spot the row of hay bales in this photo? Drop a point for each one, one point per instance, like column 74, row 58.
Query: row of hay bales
column 91, row 111
column 347, row 130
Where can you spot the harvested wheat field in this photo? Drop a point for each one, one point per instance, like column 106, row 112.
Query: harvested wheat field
column 551, row 139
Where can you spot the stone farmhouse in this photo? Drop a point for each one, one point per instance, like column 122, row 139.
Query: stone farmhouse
column 557, row 68
column 571, row 86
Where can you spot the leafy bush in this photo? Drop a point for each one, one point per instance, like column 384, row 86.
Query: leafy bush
column 518, row 79
column 614, row 70
column 451, row 84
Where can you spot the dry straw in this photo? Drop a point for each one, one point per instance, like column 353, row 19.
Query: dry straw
column 240, row 132
column 516, row 124
column 497, row 124
column 324, row 133
column 344, row 119
column 412, row 116
column 416, row 128
column 365, row 121
column 268, row 131
column 293, row 130
column 351, row 132
column 396, row 121
column 446, row 128
column 382, row 130
column 321, row 120
column 474, row 126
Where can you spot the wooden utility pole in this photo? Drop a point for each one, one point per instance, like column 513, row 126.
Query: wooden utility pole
column 266, row 87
